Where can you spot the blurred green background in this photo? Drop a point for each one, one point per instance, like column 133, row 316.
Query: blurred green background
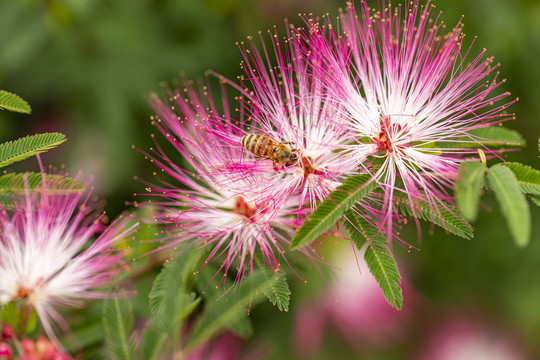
column 85, row 66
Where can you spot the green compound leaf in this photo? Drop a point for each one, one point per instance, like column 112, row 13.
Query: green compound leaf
column 13, row 185
column 382, row 265
column 535, row 199
column 527, row 177
column 170, row 303
column 118, row 323
column 229, row 308
column 469, row 187
column 493, row 136
column 360, row 230
column 378, row 257
column 514, row 207
column 354, row 189
column 445, row 215
column 173, row 279
column 12, row 102
column 278, row 293
column 242, row 327
column 20, row 149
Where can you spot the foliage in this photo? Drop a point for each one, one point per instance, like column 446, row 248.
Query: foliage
column 469, row 188
column 13, row 102
column 278, row 292
column 330, row 210
column 118, row 324
column 445, row 215
column 20, row 149
column 378, row 257
column 515, row 209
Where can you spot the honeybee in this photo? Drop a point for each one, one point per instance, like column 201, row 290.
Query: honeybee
column 263, row 145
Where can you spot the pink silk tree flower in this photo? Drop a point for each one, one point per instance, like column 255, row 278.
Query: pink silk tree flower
column 220, row 196
column 410, row 95
column 48, row 256
column 285, row 102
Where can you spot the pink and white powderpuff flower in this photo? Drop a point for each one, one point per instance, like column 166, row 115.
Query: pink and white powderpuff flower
column 48, row 257
column 411, row 95
column 219, row 196
column 286, row 102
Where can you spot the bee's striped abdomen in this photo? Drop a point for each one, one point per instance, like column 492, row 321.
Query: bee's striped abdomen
column 260, row 145
column 246, row 141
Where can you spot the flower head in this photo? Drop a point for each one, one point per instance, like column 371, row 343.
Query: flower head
column 410, row 94
column 47, row 256
column 222, row 197
column 293, row 107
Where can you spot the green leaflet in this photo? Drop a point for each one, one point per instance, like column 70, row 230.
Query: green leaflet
column 20, row 149
column 378, row 257
column 527, row 177
column 11, row 314
column 12, row 102
column 535, row 199
column 469, row 187
column 170, row 303
column 382, row 265
column 278, row 292
column 514, row 207
column 118, row 325
column 229, row 308
column 13, row 185
column 444, row 215
column 173, row 278
column 330, row 210
column 493, row 136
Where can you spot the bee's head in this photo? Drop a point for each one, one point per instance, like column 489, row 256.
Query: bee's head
column 289, row 157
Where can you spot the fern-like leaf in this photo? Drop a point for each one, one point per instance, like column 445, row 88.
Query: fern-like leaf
column 170, row 303
column 445, row 215
column 23, row 148
column 527, row 177
column 278, row 293
column 535, row 199
column 378, row 257
column 513, row 204
column 241, row 326
column 360, row 230
column 13, row 186
column 173, row 278
column 118, row 324
column 493, row 136
column 330, row 210
column 229, row 308
column 469, row 187
column 382, row 265
column 12, row 102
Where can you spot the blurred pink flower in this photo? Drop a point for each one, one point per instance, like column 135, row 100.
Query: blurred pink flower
column 410, row 95
column 47, row 255
column 227, row 346
column 357, row 309
column 464, row 338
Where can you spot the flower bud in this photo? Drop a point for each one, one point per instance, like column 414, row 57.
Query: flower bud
column 7, row 332
column 5, row 351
